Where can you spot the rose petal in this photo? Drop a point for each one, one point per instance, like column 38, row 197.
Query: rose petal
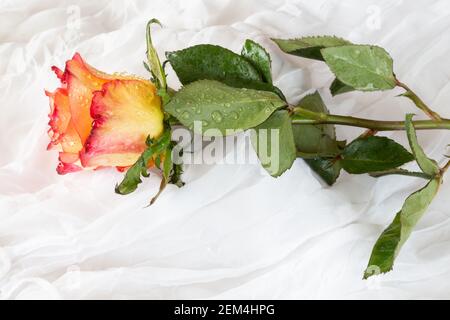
column 62, row 130
column 67, row 163
column 125, row 112
column 71, row 117
column 59, row 115
column 82, row 80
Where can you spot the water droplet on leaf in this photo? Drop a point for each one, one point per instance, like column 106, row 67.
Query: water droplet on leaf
column 217, row 116
column 234, row 115
column 186, row 115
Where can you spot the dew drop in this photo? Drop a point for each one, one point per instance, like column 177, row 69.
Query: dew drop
column 234, row 115
column 217, row 116
column 186, row 115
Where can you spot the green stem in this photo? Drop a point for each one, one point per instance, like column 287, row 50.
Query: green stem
column 418, row 102
column 303, row 116
column 307, row 155
column 401, row 172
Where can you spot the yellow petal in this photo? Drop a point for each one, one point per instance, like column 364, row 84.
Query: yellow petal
column 125, row 112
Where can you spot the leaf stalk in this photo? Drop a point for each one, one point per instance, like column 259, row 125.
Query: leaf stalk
column 418, row 102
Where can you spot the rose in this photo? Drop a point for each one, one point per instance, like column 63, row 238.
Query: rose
column 101, row 120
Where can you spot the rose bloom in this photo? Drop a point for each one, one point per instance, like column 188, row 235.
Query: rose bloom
column 101, row 120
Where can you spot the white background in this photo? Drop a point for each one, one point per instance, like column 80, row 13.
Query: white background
column 232, row 231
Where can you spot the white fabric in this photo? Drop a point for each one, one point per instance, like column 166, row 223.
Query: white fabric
column 232, row 231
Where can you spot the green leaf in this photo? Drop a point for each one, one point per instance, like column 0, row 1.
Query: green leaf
column 365, row 68
column 259, row 57
column 337, row 87
column 218, row 106
column 318, row 140
column 274, row 143
column 392, row 239
column 372, row 154
column 209, row 62
column 428, row 166
column 328, row 169
column 159, row 76
column 315, row 138
column 133, row 176
column 309, row 47
column 175, row 177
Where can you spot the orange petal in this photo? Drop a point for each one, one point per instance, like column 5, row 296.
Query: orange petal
column 82, row 80
column 70, row 141
column 62, row 130
column 67, row 163
column 70, row 115
column 59, row 115
column 125, row 112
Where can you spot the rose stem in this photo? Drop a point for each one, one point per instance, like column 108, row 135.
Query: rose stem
column 303, row 116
